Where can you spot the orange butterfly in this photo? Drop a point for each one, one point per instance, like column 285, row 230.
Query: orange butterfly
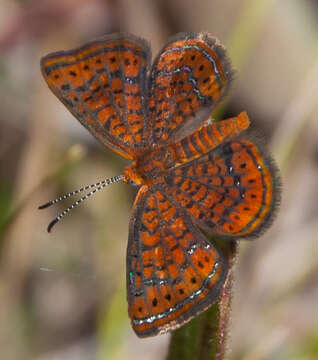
column 192, row 172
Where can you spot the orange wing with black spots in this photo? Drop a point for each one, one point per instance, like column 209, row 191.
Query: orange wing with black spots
column 188, row 79
column 103, row 84
column 173, row 272
column 233, row 190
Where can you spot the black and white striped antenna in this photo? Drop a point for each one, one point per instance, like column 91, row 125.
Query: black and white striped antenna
column 96, row 187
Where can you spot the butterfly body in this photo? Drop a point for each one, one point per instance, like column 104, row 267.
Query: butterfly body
column 192, row 172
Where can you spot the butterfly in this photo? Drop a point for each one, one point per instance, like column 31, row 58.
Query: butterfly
column 194, row 174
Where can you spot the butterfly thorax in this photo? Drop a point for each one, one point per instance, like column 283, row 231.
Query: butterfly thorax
column 151, row 167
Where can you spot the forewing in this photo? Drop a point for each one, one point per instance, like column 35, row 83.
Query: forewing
column 173, row 272
column 188, row 79
column 232, row 190
column 103, row 85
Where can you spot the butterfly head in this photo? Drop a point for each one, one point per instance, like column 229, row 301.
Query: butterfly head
column 132, row 175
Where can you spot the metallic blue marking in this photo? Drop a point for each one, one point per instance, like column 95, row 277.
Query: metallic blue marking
column 149, row 282
column 206, row 54
column 162, row 282
column 155, row 281
column 192, row 249
column 197, row 91
column 131, row 277
column 176, row 71
column 179, row 305
column 194, row 82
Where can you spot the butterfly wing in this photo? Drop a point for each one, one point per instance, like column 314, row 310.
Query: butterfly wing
column 103, row 84
column 173, row 272
column 232, row 190
column 188, row 78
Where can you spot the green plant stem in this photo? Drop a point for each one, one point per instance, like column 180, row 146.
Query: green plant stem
column 204, row 337
column 113, row 325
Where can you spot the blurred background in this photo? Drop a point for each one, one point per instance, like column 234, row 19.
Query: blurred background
column 62, row 295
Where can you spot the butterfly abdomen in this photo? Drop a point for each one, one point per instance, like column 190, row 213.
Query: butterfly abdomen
column 208, row 137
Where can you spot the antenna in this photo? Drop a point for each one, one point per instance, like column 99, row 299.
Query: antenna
column 97, row 187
